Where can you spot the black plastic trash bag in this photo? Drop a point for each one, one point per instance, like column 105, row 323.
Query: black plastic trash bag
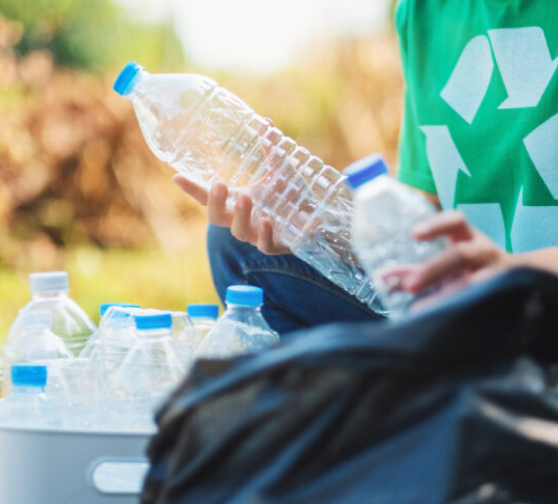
column 455, row 405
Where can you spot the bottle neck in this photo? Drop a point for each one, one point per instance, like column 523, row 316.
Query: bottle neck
column 27, row 389
column 49, row 295
column 133, row 93
column 242, row 310
column 154, row 334
column 203, row 320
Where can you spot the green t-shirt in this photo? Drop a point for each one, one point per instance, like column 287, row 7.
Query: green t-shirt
column 481, row 113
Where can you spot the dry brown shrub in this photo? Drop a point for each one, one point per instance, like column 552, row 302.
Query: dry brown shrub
column 74, row 167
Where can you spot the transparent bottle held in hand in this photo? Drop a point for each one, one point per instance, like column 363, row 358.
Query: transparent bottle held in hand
column 385, row 213
column 208, row 134
column 242, row 329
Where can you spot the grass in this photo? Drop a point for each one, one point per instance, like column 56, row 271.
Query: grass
column 150, row 278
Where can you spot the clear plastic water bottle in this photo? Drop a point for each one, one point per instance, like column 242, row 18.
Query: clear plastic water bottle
column 207, row 134
column 385, row 213
column 49, row 292
column 181, row 323
column 116, row 329
column 36, row 343
column 242, row 328
column 107, row 349
column 149, row 372
column 27, row 406
column 203, row 317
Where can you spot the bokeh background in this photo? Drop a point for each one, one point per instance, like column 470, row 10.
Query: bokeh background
column 80, row 190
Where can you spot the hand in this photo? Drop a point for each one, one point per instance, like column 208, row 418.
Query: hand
column 239, row 219
column 470, row 256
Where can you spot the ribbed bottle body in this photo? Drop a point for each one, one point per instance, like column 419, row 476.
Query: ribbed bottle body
column 207, row 134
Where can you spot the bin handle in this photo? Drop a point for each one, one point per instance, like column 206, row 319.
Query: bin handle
column 118, row 476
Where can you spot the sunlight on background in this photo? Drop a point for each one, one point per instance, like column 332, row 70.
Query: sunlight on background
column 258, row 35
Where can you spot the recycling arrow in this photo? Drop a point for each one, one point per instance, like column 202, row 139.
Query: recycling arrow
column 469, row 81
column 530, row 229
column 445, row 162
column 524, row 61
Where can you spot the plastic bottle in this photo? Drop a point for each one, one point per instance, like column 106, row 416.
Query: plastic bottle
column 107, row 349
column 115, row 335
column 203, row 317
column 242, row 328
column 49, row 292
column 36, row 343
column 181, row 323
column 27, row 406
column 149, row 372
column 385, row 213
column 207, row 134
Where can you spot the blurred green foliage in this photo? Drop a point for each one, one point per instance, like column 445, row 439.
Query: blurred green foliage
column 91, row 34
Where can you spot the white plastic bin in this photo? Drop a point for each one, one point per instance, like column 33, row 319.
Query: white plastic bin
column 71, row 467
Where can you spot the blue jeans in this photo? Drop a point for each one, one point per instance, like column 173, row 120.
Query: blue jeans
column 295, row 295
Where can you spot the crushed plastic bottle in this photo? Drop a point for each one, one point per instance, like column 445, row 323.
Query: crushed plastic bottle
column 207, row 134
column 242, row 328
column 149, row 372
column 385, row 213
column 27, row 406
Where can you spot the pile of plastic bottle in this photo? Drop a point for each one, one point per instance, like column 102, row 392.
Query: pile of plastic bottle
column 59, row 371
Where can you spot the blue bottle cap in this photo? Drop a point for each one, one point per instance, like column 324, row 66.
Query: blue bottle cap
column 203, row 311
column 127, row 78
column 244, row 295
column 364, row 170
column 28, row 375
column 106, row 306
column 159, row 321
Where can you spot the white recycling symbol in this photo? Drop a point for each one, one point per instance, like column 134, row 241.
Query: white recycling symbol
column 526, row 67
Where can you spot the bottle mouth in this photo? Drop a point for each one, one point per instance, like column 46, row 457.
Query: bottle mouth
column 247, row 296
column 203, row 311
column 127, row 79
column 48, row 282
column 364, row 170
column 153, row 322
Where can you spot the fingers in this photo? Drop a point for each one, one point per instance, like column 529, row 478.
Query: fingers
column 192, row 189
column 217, row 212
column 451, row 224
column 241, row 226
column 260, row 236
column 265, row 241
column 453, row 262
column 239, row 219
